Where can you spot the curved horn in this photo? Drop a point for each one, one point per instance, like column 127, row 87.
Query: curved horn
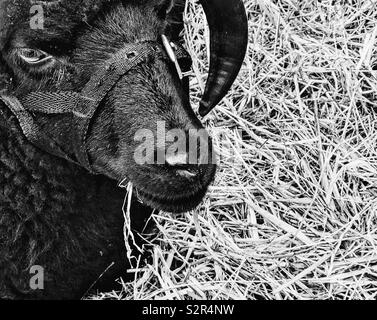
column 229, row 35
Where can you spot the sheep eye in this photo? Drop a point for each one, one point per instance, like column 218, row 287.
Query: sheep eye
column 34, row 57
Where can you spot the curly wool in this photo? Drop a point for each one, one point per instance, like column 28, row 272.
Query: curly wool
column 56, row 215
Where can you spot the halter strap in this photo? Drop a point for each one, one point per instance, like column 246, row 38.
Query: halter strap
column 82, row 106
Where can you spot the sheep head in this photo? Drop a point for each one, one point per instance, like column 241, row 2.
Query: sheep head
column 76, row 43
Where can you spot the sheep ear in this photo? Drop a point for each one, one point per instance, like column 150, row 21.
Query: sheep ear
column 163, row 7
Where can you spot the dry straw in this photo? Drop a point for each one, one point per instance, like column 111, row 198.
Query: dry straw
column 296, row 217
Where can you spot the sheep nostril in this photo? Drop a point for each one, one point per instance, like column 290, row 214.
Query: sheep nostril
column 177, row 160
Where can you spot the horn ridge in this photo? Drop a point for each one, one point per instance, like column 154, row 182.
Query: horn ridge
column 228, row 26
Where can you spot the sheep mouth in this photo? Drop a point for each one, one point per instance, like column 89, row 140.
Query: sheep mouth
column 174, row 204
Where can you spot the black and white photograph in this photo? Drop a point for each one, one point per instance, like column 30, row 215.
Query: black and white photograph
column 207, row 151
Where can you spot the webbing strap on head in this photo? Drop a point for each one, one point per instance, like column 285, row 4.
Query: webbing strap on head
column 31, row 129
column 82, row 106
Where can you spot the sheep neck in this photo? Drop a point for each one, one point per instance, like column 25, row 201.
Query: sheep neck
column 70, row 221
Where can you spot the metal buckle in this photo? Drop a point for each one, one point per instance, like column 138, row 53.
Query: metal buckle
column 169, row 48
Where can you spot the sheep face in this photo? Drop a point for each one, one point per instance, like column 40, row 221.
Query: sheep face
column 145, row 102
column 77, row 39
column 149, row 95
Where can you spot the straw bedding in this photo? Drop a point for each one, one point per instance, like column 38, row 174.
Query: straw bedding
column 293, row 211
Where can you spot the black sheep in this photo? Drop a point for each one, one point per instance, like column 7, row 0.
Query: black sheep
column 66, row 217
